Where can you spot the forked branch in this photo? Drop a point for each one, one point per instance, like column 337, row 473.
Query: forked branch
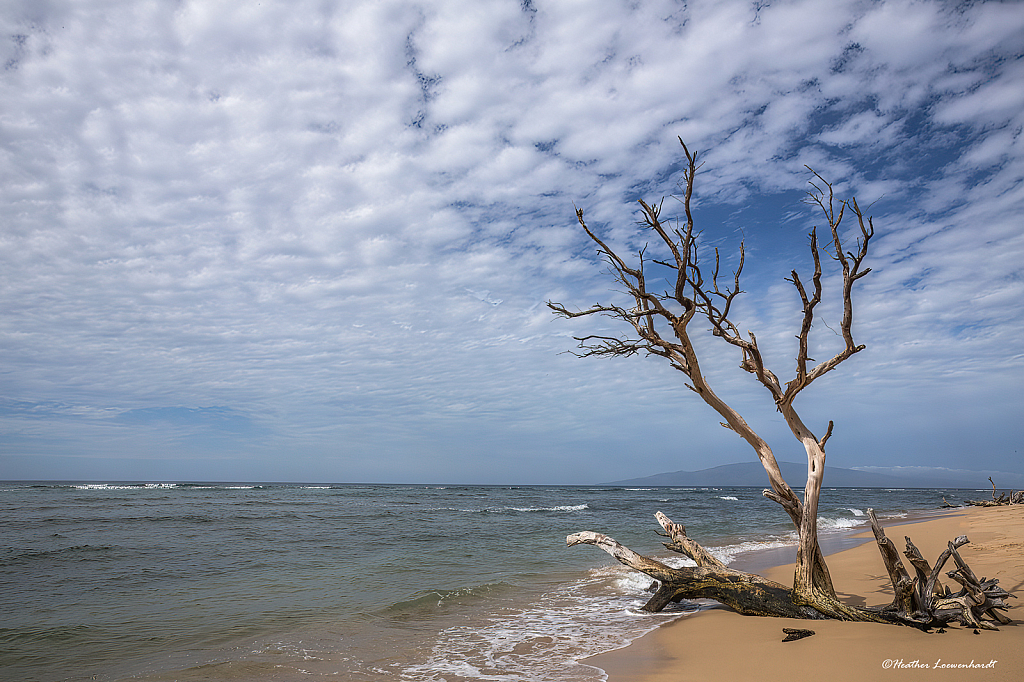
column 851, row 264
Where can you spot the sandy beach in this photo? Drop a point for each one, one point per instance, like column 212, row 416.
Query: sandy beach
column 721, row 644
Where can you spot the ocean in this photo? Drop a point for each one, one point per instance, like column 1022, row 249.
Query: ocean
column 233, row 581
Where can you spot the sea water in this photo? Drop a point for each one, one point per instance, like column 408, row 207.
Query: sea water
column 357, row 582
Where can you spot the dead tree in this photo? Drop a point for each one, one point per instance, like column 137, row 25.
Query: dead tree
column 659, row 325
column 1015, row 497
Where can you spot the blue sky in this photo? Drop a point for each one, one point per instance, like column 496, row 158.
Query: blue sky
column 313, row 241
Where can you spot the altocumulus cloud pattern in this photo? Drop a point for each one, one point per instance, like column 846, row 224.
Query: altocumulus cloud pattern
column 313, row 241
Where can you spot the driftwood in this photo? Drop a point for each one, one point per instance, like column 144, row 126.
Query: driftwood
column 978, row 604
column 1014, row 497
column 920, row 602
column 793, row 634
column 745, row 593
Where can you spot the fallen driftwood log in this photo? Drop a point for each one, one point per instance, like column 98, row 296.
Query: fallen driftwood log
column 1003, row 499
column 921, row 602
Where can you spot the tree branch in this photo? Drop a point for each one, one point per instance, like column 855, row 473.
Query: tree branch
column 851, row 268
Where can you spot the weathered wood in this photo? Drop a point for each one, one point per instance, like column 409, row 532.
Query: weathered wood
column 933, row 579
column 684, row 545
column 976, row 605
column 624, row 555
column 746, row 593
column 920, row 564
column 1014, row 497
column 923, row 570
column 793, row 634
column 898, row 575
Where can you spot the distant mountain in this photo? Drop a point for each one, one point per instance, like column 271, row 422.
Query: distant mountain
column 753, row 474
column 941, row 477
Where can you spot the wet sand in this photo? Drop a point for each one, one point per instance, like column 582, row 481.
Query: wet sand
column 721, row 644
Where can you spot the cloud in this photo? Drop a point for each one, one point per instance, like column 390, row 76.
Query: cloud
column 308, row 216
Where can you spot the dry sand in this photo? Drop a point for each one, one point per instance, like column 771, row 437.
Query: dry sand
column 723, row 645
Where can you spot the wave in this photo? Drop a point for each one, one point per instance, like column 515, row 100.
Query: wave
column 157, row 486
column 120, row 486
column 59, row 635
column 563, row 507
column 728, row 497
column 728, row 553
column 432, row 599
column 501, row 510
column 76, row 553
column 548, row 638
column 827, row 525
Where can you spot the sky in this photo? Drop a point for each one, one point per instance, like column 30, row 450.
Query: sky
column 314, row 241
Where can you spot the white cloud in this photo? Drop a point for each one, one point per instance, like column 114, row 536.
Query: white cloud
column 308, row 214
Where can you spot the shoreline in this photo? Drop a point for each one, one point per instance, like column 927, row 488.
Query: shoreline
column 762, row 560
column 723, row 644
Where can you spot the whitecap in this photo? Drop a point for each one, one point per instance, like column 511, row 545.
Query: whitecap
column 842, row 523
column 728, row 553
column 564, row 507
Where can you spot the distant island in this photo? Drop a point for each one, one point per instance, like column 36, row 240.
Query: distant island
column 752, row 474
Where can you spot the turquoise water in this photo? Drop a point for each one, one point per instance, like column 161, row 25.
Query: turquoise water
column 290, row 582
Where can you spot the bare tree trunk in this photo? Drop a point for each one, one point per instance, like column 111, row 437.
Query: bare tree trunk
column 812, row 582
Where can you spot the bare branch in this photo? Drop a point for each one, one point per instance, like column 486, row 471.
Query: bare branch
column 828, row 434
column 851, row 264
column 684, row 545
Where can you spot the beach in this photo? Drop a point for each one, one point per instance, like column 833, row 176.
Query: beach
column 721, row 644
